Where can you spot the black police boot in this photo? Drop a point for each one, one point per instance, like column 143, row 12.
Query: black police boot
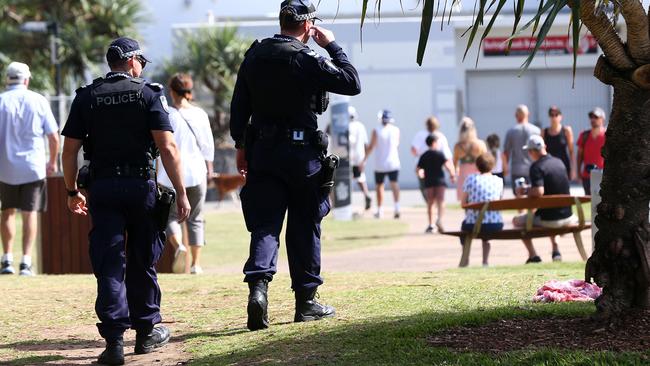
column 308, row 309
column 258, row 317
column 147, row 342
column 113, row 354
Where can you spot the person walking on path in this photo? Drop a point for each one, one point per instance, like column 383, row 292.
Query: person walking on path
column 419, row 145
column 430, row 170
column 482, row 187
column 385, row 139
column 559, row 140
column 122, row 122
column 516, row 161
column 274, row 125
column 468, row 148
column 494, row 147
column 194, row 139
column 590, row 144
column 358, row 140
column 25, row 121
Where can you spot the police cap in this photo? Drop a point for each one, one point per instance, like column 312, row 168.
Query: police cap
column 300, row 9
column 122, row 49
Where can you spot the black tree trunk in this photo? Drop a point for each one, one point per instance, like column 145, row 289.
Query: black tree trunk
column 620, row 261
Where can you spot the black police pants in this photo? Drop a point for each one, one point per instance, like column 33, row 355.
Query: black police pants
column 124, row 248
column 267, row 196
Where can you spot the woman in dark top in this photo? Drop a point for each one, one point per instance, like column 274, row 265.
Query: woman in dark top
column 430, row 168
column 559, row 140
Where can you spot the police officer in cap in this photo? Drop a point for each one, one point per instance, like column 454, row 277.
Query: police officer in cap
column 280, row 88
column 122, row 123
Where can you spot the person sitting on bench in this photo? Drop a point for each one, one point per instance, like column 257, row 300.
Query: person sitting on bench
column 548, row 176
column 482, row 187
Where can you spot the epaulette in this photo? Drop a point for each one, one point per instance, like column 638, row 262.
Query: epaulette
column 309, row 52
column 85, row 86
column 157, row 87
column 253, row 45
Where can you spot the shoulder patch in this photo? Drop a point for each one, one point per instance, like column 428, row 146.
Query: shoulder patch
column 329, row 66
column 156, row 86
column 163, row 102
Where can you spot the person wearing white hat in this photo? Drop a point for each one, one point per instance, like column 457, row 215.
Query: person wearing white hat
column 548, row 176
column 25, row 120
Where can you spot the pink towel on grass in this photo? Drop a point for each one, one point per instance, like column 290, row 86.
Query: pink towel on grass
column 564, row 291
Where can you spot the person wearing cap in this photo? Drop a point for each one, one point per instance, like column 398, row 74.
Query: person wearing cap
column 590, row 144
column 25, row 120
column 358, row 140
column 122, row 123
column 515, row 161
column 281, row 87
column 559, row 140
column 548, row 176
column 385, row 139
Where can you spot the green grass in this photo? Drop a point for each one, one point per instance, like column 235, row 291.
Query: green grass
column 228, row 241
column 382, row 318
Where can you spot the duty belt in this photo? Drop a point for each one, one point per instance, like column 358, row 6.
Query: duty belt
column 295, row 136
column 123, row 171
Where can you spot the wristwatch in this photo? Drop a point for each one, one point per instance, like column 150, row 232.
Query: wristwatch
column 73, row 193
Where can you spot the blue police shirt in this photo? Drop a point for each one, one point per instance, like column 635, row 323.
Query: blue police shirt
column 337, row 75
column 156, row 105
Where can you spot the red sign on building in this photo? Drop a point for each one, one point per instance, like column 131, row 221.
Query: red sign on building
column 552, row 45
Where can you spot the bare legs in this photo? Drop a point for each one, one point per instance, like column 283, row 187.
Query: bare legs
column 8, row 230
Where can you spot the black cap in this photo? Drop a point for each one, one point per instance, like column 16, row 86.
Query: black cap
column 301, row 9
column 123, row 48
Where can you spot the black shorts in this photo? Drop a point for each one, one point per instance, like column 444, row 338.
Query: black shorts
column 25, row 197
column 356, row 172
column 381, row 176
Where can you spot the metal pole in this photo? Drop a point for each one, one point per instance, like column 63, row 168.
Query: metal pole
column 341, row 147
column 53, row 28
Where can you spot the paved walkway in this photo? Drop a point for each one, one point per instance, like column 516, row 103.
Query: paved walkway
column 417, row 252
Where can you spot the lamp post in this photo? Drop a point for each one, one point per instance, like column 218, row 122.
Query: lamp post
column 51, row 28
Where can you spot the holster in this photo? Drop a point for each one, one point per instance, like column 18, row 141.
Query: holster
column 329, row 165
column 165, row 198
column 83, row 177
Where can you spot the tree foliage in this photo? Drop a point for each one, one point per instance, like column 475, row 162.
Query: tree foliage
column 212, row 56
column 86, row 28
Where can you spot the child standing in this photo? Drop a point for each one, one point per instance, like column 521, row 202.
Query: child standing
column 430, row 168
column 494, row 148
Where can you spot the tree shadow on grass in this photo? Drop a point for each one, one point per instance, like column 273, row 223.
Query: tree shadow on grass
column 31, row 360
column 398, row 341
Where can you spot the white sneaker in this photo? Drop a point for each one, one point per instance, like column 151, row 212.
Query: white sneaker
column 26, row 270
column 7, row 268
column 196, row 270
column 178, row 266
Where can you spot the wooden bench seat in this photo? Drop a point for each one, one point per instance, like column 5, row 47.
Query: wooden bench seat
column 528, row 231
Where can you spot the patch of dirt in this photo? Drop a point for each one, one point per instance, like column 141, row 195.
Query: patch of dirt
column 628, row 333
column 82, row 346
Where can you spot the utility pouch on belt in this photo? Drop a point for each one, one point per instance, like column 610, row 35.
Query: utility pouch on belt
column 165, row 198
column 83, row 177
column 329, row 165
column 319, row 102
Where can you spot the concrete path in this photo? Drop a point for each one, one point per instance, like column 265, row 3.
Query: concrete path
column 417, row 251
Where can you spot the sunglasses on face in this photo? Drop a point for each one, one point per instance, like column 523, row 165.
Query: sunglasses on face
column 554, row 114
column 142, row 61
column 591, row 116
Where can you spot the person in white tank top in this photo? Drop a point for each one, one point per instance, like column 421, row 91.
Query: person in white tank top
column 385, row 139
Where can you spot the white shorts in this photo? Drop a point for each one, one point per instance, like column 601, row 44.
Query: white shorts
column 520, row 221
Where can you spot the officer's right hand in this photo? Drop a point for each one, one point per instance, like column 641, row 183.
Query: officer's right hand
column 242, row 163
column 182, row 207
column 322, row 36
column 77, row 204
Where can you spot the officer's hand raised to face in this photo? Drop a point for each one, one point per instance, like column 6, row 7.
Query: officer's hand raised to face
column 322, row 36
